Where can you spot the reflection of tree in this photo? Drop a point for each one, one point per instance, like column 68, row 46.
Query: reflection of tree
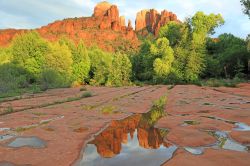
column 148, row 136
column 109, row 142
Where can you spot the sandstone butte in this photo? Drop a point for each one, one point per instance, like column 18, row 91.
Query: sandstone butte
column 105, row 28
column 151, row 21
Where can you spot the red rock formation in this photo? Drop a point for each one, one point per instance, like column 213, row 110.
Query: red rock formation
column 105, row 28
column 152, row 20
column 122, row 21
column 101, row 9
column 7, row 35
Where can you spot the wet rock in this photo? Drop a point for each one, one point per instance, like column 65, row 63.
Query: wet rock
column 241, row 136
column 190, row 137
column 211, row 157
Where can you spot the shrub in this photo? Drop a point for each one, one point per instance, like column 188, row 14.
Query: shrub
column 12, row 78
column 83, row 89
column 87, row 94
column 52, row 79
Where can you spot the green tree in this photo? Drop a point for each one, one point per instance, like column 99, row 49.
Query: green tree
column 164, row 58
column 12, row 78
column 142, row 62
column 5, row 55
column 173, row 32
column 81, row 63
column 29, row 51
column 231, row 54
column 120, row 72
column 101, row 63
column 60, row 60
column 246, row 5
column 201, row 26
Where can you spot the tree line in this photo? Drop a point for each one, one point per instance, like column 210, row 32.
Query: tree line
column 182, row 53
column 31, row 61
column 185, row 52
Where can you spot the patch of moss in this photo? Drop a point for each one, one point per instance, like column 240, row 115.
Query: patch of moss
column 191, row 122
column 207, row 104
column 39, row 113
column 108, row 109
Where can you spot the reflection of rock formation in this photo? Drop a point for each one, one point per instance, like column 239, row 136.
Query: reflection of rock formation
column 149, row 138
column 109, row 142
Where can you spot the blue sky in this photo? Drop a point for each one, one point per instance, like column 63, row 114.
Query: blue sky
column 36, row 13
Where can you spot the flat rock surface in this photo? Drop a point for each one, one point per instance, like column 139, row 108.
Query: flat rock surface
column 66, row 122
column 211, row 157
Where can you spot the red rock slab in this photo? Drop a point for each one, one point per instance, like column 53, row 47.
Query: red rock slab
column 64, row 142
column 54, row 95
column 240, row 90
column 211, row 157
column 171, row 122
column 241, row 136
column 190, row 137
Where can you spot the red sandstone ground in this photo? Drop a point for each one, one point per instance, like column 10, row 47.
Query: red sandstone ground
column 73, row 123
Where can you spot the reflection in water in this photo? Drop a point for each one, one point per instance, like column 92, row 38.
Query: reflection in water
column 133, row 140
column 242, row 127
column 226, row 143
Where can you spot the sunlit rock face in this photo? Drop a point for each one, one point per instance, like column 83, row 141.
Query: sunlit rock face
column 104, row 28
column 101, row 9
column 152, row 20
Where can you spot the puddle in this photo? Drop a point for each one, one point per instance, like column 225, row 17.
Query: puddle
column 6, row 137
column 5, row 163
column 4, row 129
column 194, row 151
column 33, row 142
column 226, row 143
column 131, row 141
column 241, row 127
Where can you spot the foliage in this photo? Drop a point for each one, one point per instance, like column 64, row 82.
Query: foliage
column 87, row 94
column 246, row 5
column 13, row 78
column 178, row 55
column 81, row 60
column 120, row 72
column 29, row 51
column 143, row 63
column 173, row 32
column 222, row 82
column 165, row 56
column 228, row 57
column 5, row 55
column 52, row 79
column 101, row 63
column 59, row 59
